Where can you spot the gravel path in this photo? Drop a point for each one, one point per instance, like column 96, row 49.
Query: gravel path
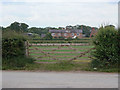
column 25, row 79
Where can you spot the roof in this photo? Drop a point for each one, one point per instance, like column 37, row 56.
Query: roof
column 43, row 35
column 65, row 31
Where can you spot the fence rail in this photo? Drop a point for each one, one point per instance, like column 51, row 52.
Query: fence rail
column 58, row 51
column 59, row 44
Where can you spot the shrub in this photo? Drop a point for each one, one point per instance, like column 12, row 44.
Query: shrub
column 106, row 43
column 19, row 62
column 13, row 49
column 12, row 45
column 48, row 36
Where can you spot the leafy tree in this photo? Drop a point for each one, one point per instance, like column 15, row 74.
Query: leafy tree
column 38, row 30
column 15, row 26
column 24, row 27
column 19, row 27
column 110, row 26
column 86, row 29
column 48, row 36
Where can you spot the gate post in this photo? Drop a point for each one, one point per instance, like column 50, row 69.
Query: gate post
column 27, row 48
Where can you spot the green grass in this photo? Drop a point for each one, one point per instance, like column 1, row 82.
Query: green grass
column 59, row 60
column 61, row 66
column 46, row 60
column 61, row 55
column 110, row 70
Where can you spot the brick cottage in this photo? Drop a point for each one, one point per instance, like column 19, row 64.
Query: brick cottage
column 66, row 33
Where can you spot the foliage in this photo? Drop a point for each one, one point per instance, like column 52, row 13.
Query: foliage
column 119, row 47
column 48, row 36
column 39, row 31
column 16, row 62
column 19, row 27
column 106, row 43
column 12, row 45
column 23, row 27
column 61, row 66
column 13, row 49
column 86, row 29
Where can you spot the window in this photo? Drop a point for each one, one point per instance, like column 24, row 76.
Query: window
column 66, row 30
column 53, row 34
column 77, row 34
column 65, row 34
column 72, row 34
column 59, row 34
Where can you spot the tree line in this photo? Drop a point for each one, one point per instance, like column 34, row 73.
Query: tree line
column 23, row 27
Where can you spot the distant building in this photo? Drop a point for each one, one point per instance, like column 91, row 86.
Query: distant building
column 43, row 35
column 93, row 32
column 83, row 35
column 66, row 33
column 29, row 34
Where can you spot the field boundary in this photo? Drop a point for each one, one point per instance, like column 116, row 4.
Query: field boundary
column 46, row 55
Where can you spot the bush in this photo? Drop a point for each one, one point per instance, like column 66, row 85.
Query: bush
column 18, row 62
column 12, row 45
column 48, row 36
column 13, row 50
column 106, row 43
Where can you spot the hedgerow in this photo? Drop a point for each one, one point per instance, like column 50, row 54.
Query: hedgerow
column 106, row 54
column 13, row 49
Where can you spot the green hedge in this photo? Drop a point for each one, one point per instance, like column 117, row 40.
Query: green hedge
column 13, row 50
column 106, row 43
column 12, row 44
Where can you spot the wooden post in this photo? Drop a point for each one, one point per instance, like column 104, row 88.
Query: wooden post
column 27, row 48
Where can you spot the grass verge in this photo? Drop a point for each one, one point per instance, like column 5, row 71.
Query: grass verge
column 60, row 66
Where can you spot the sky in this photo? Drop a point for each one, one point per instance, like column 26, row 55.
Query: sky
column 59, row 13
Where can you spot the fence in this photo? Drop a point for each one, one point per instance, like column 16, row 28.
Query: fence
column 58, row 51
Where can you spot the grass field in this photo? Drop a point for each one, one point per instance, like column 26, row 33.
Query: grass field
column 51, row 53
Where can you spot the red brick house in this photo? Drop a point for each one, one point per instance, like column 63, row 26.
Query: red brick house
column 66, row 33
column 93, row 32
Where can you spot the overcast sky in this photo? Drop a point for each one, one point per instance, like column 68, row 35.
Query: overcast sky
column 55, row 13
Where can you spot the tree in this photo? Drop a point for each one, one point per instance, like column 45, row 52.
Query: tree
column 15, row 26
column 38, row 30
column 48, row 36
column 110, row 26
column 24, row 27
